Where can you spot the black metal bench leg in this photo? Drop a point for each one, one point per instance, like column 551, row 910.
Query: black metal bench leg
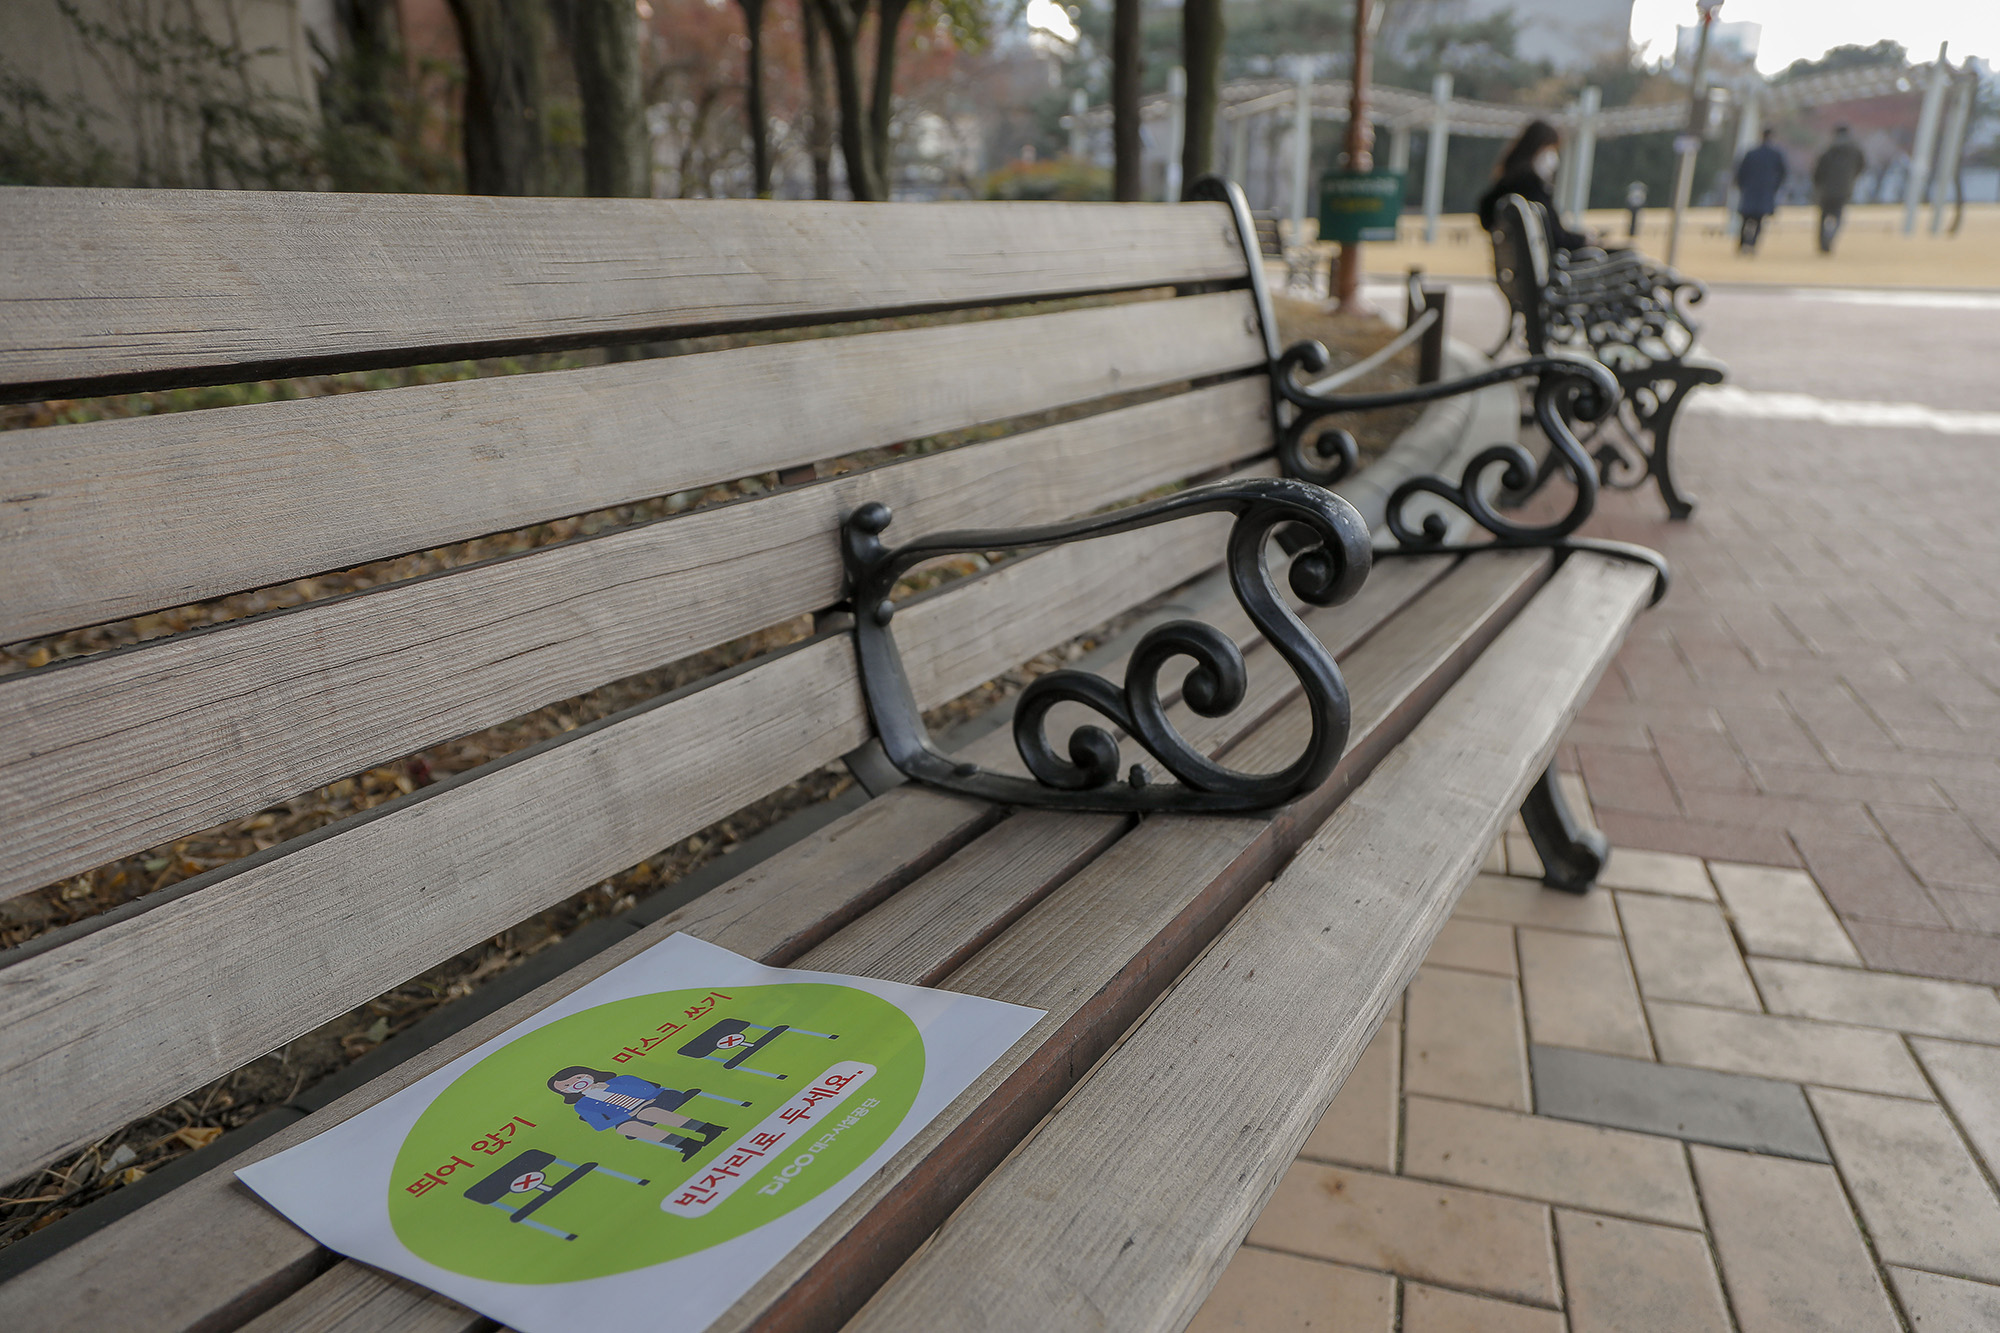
column 1660, row 459
column 1572, row 853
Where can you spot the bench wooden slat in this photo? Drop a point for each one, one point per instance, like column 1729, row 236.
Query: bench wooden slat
column 110, row 1026
column 140, row 1270
column 941, row 920
column 122, row 752
column 353, row 1297
column 196, row 286
column 1095, row 954
column 1131, row 1202
column 116, row 518
column 145, row 1008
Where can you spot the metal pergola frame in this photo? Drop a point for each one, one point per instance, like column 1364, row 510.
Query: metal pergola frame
column 1401, row 110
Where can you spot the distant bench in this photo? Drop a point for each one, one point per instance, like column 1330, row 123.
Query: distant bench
column 1234, row 877
column 1299, row 258
column 1626, row 311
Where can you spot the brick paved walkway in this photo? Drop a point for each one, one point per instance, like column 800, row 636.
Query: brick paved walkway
column 1819, row 689
column 1822, row 688
column 1611, row 1114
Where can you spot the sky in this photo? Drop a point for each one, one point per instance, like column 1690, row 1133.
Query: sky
column 1048, row 16
column 1806, row 28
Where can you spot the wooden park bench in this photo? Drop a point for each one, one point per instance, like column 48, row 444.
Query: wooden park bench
column 1215, row 906
column 1627, row 312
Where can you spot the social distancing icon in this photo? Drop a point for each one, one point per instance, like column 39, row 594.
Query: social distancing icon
column 521, row 1187
column 729, row 1043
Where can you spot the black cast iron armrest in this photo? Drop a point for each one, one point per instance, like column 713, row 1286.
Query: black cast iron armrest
column 1090, row 778
column 1567, row 389
column 1565, row 386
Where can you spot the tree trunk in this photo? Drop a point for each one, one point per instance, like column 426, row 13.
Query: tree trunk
column 882, row 110
column 843, row 32
column 1345, row 284
column 819, row 129
column 502, row 41
column 1201, row 54
column 753, row 110
column 373, row 51
column 357, row 97
column 606, row 55
column 1127, row 183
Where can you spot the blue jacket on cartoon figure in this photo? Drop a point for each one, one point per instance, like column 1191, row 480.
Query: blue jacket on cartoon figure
column 605, row 1115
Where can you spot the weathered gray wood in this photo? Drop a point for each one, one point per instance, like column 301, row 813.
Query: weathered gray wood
column 119, row 753
column 353, row 1297
column 209, row 1247
column 942, row 919
column 776, row 911
column 1104, row 1224
column 203, row 983
column 113, row 1024
column 135, row 285
column 115, row 518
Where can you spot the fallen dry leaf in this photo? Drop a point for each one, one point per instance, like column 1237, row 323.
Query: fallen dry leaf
column 196, row 1136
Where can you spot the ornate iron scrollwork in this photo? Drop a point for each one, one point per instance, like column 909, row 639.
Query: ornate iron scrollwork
column 1563, row 389
column 1567, row 389
column 1088, row 778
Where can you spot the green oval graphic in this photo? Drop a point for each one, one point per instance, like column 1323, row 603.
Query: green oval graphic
column 651, row 1128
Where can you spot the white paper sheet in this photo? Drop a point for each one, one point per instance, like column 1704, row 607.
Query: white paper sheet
column 645, row 1148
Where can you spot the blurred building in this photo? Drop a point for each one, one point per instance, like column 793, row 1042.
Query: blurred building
column 157, row 88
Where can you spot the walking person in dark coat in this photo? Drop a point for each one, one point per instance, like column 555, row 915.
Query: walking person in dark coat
column 1833, row 183
column 1758, row 177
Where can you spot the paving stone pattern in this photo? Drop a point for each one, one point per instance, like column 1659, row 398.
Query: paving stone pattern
column 1689, row 1102
column 1821, row 690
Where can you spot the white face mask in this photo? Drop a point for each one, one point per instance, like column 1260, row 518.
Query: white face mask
column 1545, row 163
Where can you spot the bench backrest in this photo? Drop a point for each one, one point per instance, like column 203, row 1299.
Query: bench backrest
column 1521, row 265
column 1156, row 344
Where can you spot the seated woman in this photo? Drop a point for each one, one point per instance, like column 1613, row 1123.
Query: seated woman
column 1527, row 168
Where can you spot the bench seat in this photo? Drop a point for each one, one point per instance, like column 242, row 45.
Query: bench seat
column 1133, row 1195
column 1461, row 669
column 1084, row 915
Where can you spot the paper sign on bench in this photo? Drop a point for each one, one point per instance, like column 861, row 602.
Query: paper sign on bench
column 646, row 1148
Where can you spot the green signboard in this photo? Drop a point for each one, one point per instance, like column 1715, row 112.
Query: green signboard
column 1360, row 206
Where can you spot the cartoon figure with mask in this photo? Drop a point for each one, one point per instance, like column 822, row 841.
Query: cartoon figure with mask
column 637, row 1109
